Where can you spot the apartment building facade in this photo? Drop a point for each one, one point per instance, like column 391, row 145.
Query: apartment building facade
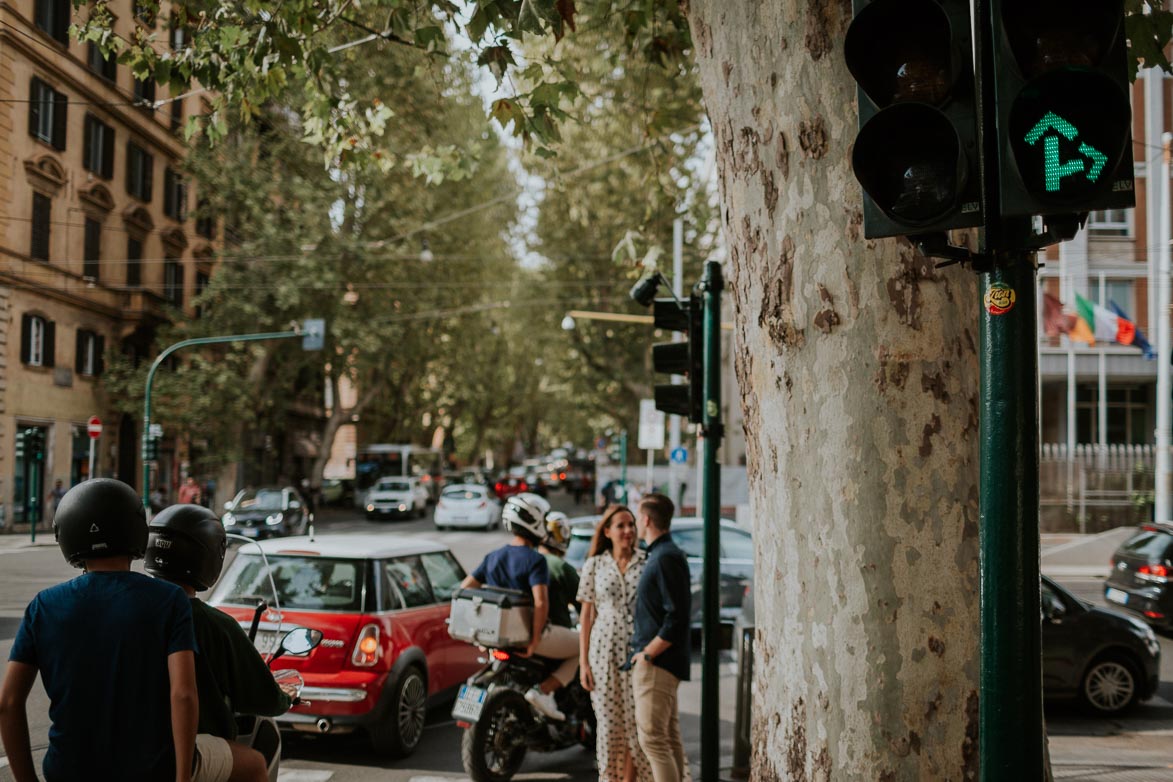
column 97, row 242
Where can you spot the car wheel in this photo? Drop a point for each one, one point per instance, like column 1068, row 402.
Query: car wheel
column 1109, row 685
column 399, row 733
column 493, row 748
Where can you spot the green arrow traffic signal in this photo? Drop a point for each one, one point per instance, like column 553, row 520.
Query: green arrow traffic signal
column 1054, row 168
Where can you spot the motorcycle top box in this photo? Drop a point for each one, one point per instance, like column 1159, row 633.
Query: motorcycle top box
column 491, row 617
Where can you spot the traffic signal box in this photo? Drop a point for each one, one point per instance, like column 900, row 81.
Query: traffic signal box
column 917, row 154
column 1063, row 110
column 680, row 358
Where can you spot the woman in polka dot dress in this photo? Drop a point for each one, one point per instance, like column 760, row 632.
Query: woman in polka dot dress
column 607, row 593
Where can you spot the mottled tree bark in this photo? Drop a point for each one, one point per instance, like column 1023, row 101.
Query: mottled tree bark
column 857, row 364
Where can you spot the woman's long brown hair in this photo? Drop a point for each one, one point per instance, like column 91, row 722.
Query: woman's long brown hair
column 600, row 542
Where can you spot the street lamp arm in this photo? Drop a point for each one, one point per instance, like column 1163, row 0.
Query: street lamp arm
column 619, row 317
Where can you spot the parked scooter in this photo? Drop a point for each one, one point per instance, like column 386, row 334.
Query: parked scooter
column 499, row 724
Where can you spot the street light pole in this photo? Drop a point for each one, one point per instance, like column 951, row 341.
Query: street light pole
column 151, row 380
column 711, row 284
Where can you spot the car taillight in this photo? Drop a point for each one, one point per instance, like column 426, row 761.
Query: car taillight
column 499, row 486
column 366, row 651
column 561, row 476
column 1155, row 573
column 500, row 655
column 523, row 487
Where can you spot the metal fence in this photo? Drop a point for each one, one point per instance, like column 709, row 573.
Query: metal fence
column 1095, row 488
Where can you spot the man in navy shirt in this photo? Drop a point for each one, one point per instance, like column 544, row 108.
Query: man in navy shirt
column 660, row 643
column 520, row 567
column 115, row 651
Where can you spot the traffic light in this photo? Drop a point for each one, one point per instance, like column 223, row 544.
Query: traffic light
column 150, row 448
column 1064, row 118
column 680, row 358
column 917, row 154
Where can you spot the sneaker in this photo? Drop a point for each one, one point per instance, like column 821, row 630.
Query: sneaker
column 544, row 703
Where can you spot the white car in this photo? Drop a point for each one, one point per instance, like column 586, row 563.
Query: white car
column 397, row 497
column 467, row 505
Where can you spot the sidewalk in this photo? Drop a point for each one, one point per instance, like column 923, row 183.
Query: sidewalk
column 15, row 542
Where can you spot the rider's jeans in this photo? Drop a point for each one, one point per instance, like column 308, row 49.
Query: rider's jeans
column 560, row 643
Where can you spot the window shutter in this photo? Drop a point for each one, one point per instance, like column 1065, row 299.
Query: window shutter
column 34, row 106
column 79, row 352
column 26, row 336
column 50, row 343
column 87, row 159
column 62, row 9
column 130, row 184
column 60, row 111
column 99, row 353
column 108, row 153
column 148, row 175
column 169, row 193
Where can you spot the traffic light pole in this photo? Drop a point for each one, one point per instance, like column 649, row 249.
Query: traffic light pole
column 711, row 285
column 151, row 380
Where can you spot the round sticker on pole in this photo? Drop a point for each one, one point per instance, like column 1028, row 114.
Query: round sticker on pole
column 999, row 298
column 94, row 427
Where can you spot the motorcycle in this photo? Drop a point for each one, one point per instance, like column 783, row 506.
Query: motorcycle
column 262, row 733
column 499, row 724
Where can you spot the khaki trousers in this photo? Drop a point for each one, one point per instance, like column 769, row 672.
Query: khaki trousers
column 657, row 720
column 560, row 643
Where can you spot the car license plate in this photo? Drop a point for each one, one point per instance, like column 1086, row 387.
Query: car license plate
column 469, row 703
column 1117, row 596
column 249, row 532
column 266, row 642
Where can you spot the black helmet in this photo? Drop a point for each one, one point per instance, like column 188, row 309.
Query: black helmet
column 100, row 518
column 187, row 546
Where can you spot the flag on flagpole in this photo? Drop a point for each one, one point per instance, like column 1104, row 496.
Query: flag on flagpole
column 1139, row 341
column 1094, row 322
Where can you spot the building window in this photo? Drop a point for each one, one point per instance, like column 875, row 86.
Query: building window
column 145, row 12
column 104, row 66
column 139, row 171
column 98, row 155
column 42, row 208
column 176, row 114
column 134, row 262
column 52, row 16
column 36, row 340
column 144, row 92
column 173, row 282
column 1128, row 415
column 174, row 195
column 205, row 223
column 1110, row 222
column 88, row 358
column 1122, row 293
column 178, row 34
column 47, row 108
column 93, row 249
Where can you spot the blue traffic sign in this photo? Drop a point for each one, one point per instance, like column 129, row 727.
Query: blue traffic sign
column 679, row 455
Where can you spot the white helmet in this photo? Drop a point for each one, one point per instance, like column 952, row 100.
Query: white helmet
column 557, row 531
column 525, row 514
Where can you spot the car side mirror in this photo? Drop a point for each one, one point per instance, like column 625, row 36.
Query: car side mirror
column 1053, row 609
column 298, row 641
column 228, row 505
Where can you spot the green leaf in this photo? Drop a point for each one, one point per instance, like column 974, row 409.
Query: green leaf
column 506, row 111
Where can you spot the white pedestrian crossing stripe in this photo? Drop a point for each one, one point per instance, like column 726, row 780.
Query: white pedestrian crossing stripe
column 302, row 775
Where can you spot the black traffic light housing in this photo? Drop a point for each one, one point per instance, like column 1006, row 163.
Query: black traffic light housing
column 917, row 154
column 680, row 358
column 1064, row 119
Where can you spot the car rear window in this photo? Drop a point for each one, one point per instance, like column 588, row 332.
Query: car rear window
column 393, row 486
column 576, row 551
column 1152, row 545
column 463, row 494
column 308, row 583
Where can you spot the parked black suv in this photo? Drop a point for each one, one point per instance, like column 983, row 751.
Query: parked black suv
column 1142, row 569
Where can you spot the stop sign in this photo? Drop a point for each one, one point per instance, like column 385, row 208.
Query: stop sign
column 94, row 427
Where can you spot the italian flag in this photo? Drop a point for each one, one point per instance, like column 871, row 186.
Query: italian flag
column 1093, row 322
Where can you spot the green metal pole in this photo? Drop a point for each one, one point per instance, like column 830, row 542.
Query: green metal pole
column 1011, row 740
column 711, row 284
column 151, row 379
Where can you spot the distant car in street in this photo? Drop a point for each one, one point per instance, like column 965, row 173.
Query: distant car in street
column 512, row 482
column 267, row 512
column 397, row 497
column 382, row 605
column 1106, row 659
column 1142, row 572
column 467, row 505
column 688, row 533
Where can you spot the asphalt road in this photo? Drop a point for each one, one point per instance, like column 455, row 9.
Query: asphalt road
column 1074, row 737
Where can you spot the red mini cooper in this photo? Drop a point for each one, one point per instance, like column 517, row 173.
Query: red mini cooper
column 382, row 605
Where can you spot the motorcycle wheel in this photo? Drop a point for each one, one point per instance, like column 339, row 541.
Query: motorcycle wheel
column 493, row 749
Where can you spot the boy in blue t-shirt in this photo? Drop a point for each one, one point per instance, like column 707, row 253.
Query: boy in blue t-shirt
column 115, row 651
column 519, row 566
